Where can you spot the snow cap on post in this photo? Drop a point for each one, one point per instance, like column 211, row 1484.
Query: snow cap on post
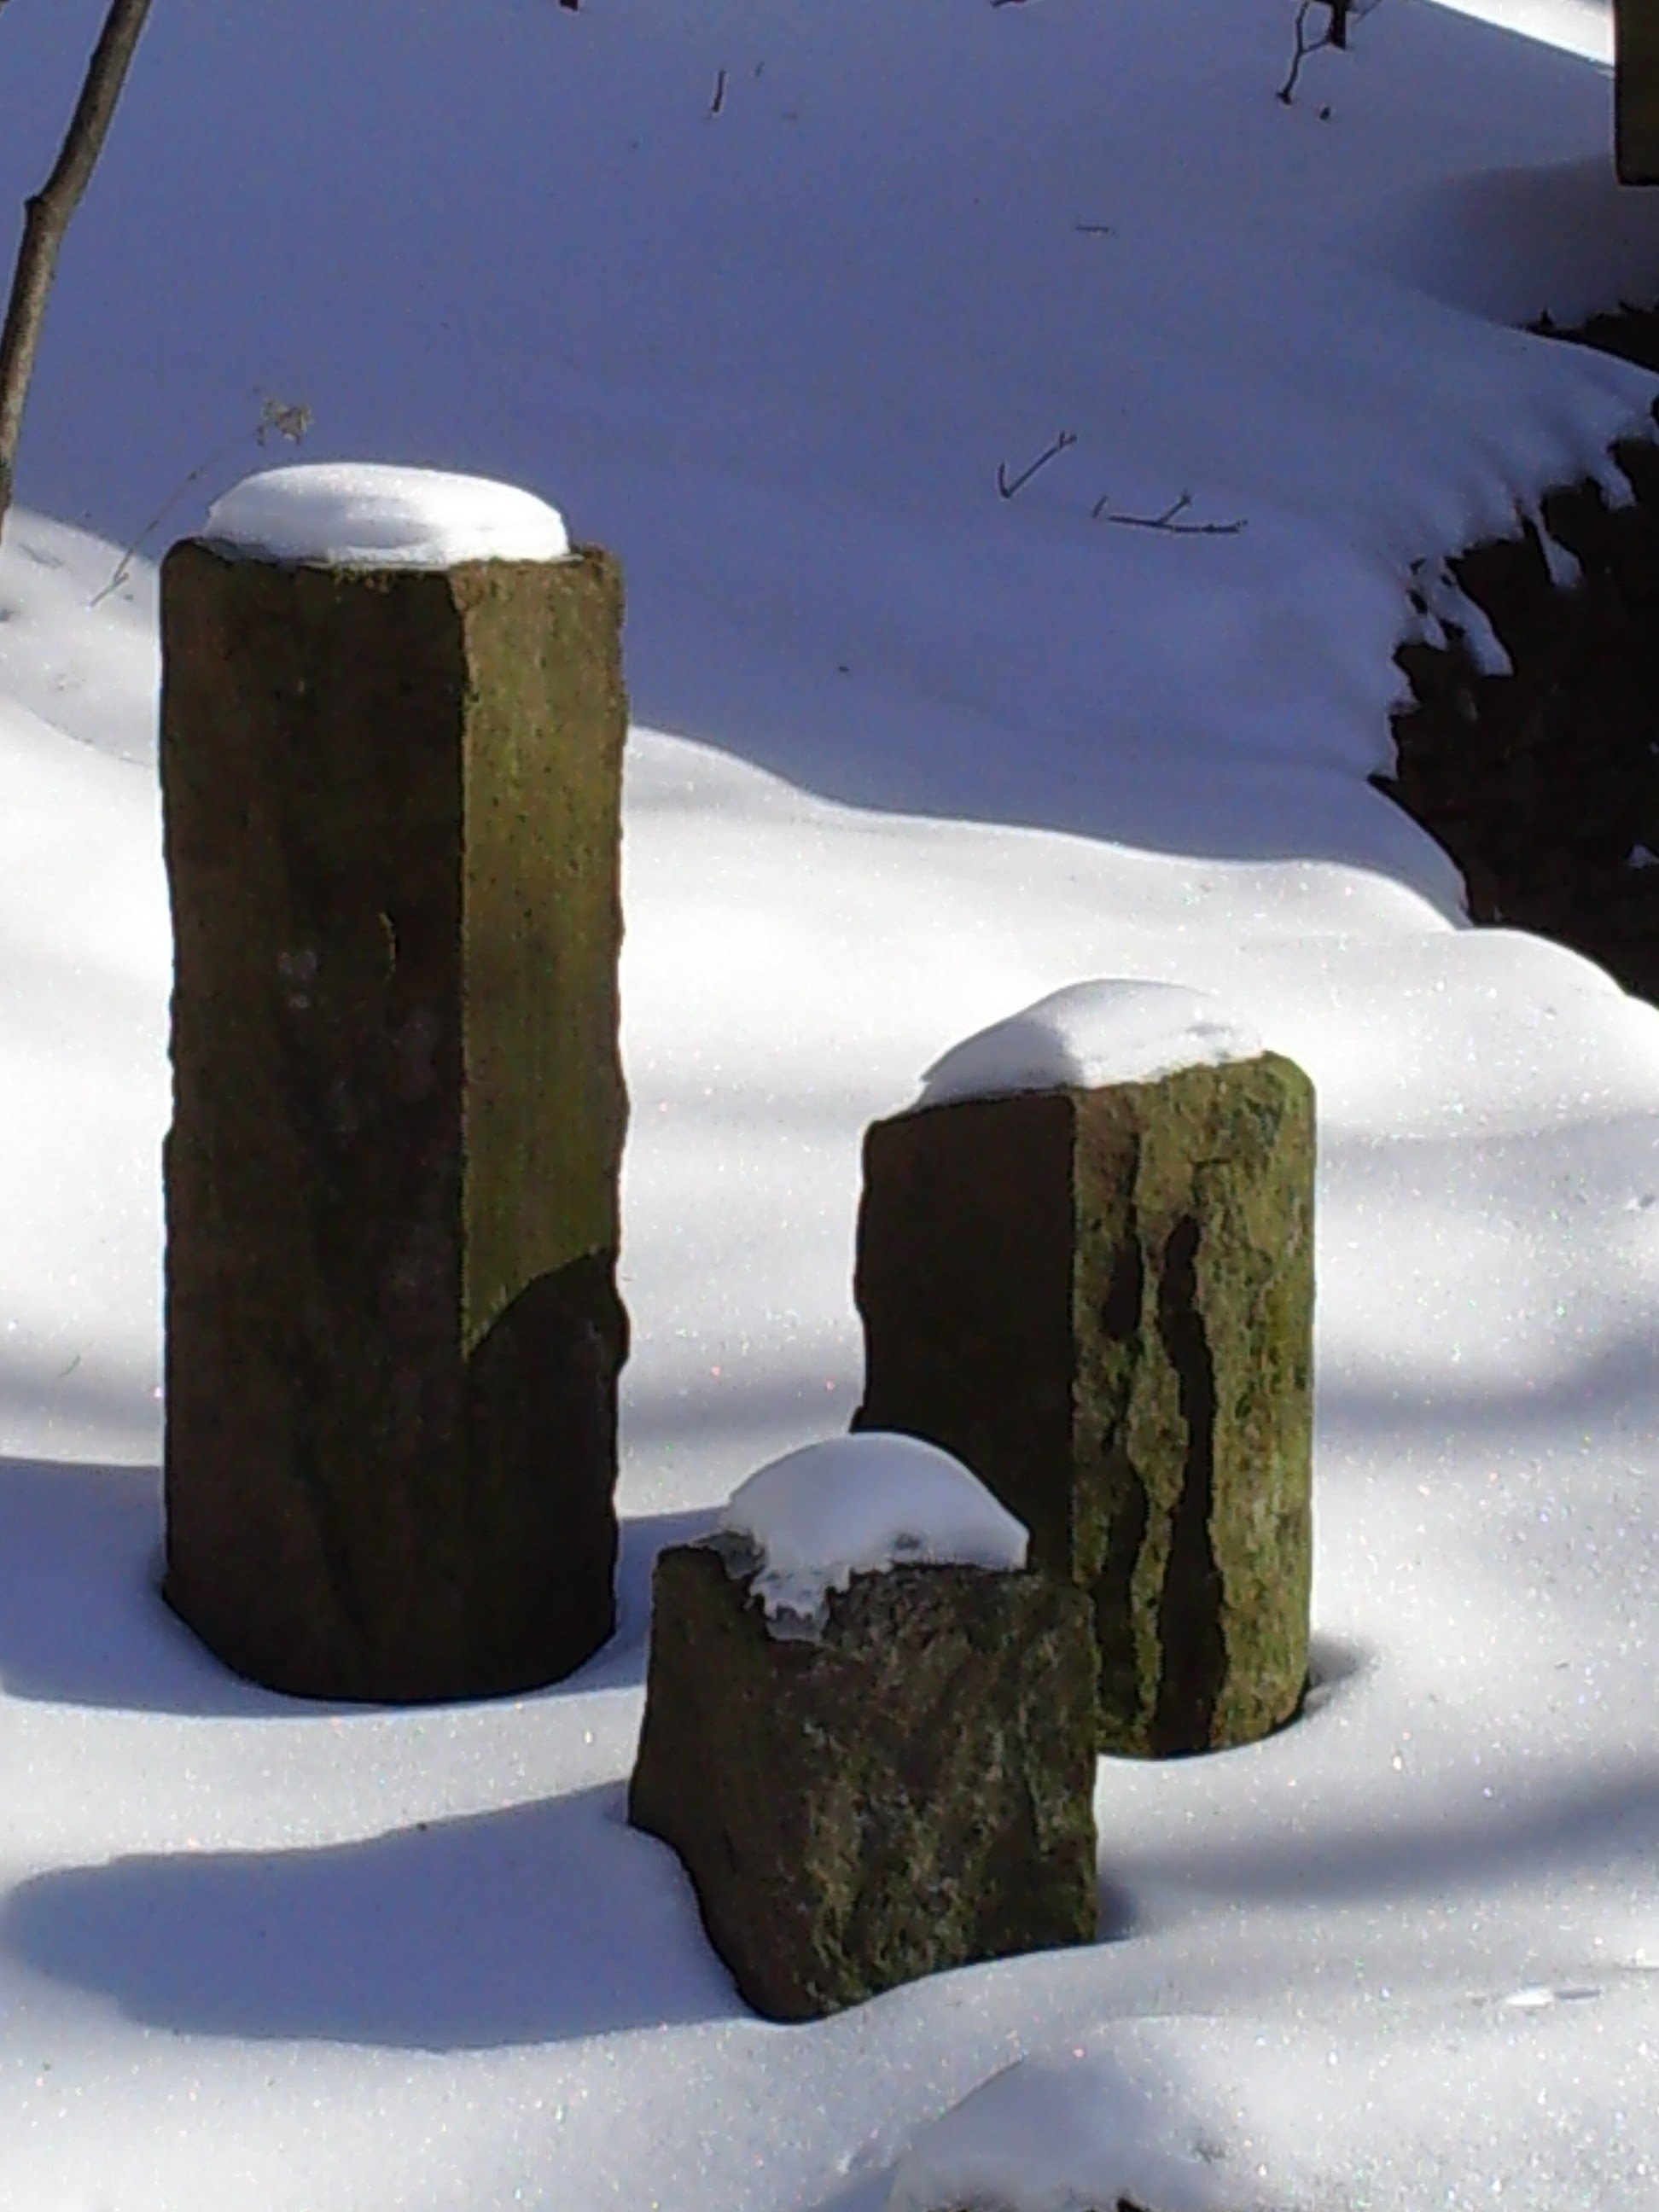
column 369, row 514
column 859, row 1505
column 1116, row 1031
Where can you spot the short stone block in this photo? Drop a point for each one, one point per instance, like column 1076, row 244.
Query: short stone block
column 908, row 1790
column 391, row 816
column 1102, row 1302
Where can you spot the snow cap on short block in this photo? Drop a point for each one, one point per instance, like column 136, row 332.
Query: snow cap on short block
column 860, row 1503
column 369, row 514
column 1089, row 1034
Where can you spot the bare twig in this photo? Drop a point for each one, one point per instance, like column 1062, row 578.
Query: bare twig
column 1287, row 91
column 1094, row 230
column 1008, row 485
column 1168, row 520
column 1339, row 14
column 718, row 100
column 289, row 420
column 46, row 218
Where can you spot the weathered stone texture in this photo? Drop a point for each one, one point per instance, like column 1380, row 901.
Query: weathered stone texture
column 909, row 1791
column 392, row 814
column 1101, row 1301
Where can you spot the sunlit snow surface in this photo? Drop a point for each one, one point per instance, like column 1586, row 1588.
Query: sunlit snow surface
column 907, row 754
column 1089, row 1034
column 1061, row 2135
column 858, row 1505
column 369, row 514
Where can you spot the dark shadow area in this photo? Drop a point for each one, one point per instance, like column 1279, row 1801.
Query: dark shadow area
column 82, row 1617
column 116, row 1398
column 1119, row 1916
column 1631, row 333
column 540, row 1924
column 621, row 1664
column 1436, row 1412
column 1542, row 784
column 83, row 1620
column 868, row 2194
column 1333, row 1663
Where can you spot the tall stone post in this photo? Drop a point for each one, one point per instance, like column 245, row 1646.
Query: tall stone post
column 1101, row 1301
column 392, row 811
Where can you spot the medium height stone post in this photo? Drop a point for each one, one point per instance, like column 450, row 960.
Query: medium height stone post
column 392, row 810
column 1101, row 1299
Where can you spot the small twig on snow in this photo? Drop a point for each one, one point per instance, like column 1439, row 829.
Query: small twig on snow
column 1008, row 485
column 718, row 100
column 1338, row 15
column 1168, row 520
column 1287, row 91
column 1094, row 230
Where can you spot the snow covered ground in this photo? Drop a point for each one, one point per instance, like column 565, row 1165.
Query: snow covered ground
column 763, row 295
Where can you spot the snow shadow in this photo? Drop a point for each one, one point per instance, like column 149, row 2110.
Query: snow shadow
column 620, row 1664
column 1591, row 1821
column 83, row 1620
column 82, row 1617
column 537, row 1924
column 868, row 2194
column 1333, row 1661
column 1414, row 1419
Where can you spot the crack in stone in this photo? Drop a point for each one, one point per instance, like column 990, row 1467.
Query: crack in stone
column 1193, row 1650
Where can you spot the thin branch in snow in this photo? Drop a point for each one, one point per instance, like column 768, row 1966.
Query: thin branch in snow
column 1008, row 485
column 718, row 100
column 1339, row 14
column 1335, row 33
column 1093, row 229
column 1168, row 520
column 1287, row 91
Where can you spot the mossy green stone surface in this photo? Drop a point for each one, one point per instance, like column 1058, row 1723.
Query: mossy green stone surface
column 910, row 1791
column 541, row 907
column 392, row 820
column 1193, row 1400
column 1103, row 1302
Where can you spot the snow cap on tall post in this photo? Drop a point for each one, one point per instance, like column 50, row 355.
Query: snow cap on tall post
column 1085, row 1268
column 393, row 720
